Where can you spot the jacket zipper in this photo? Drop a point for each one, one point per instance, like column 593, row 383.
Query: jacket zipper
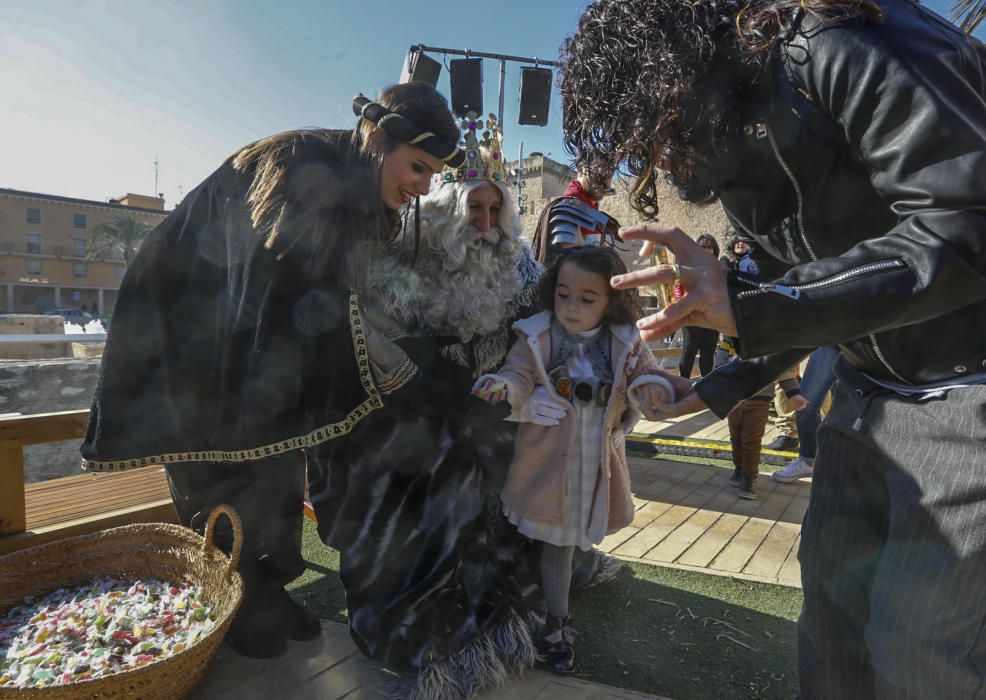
column 800, row 215
column 794, row 291
column 799, row 218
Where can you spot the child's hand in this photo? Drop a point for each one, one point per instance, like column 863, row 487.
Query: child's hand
column 651, row 396
column 798, row 402
column 490, row 389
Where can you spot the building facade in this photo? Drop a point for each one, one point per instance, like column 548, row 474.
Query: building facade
column 44, row 257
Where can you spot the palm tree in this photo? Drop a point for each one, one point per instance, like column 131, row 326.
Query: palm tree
column 122, row 235
column 968, row 14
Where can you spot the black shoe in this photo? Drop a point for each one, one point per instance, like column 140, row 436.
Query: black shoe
column 299, row 623
column 556, row 649
column 256, row 632
column 782, row 443
column 736, row 479
column 748, row 489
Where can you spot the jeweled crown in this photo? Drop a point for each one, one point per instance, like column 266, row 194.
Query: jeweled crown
column 484, row 151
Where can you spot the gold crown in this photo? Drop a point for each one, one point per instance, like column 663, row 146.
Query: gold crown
column 484, row 157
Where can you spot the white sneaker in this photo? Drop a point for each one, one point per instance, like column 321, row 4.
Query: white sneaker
column 796, row 469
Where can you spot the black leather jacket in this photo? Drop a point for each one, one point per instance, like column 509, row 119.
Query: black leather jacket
column 862, row 164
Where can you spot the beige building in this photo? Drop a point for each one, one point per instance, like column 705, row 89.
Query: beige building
column 44, row 261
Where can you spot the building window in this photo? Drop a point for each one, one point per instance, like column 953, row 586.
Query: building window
column 34, row 267
column 120, row 272
column 33, row 215
column 33, row 243
column 79, row 269
column 79, row 220
column 79, row 247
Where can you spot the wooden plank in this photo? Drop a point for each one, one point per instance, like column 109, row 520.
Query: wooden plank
column 13, row 512
column 773, row 551
column 686, row 534
column 713, row 541
column 764, row 512
column 158, row 512
column 84, row 508
column 790, row 573
column 661, row 527
column 611, row 542
column 42, row 428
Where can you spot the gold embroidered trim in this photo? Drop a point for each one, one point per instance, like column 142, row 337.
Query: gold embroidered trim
column 315, row 437
column 387, row 117
column 421, row 137
column 399, row 377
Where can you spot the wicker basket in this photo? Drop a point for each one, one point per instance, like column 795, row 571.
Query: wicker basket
column 155, row 550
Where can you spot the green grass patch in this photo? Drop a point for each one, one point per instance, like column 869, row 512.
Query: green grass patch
column 668, row 632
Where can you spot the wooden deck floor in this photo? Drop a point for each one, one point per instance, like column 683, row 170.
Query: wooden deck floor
column 688, row 516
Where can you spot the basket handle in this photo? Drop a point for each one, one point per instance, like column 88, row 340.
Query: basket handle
column 234, row 521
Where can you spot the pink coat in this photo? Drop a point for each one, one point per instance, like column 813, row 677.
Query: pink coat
column 535, row 484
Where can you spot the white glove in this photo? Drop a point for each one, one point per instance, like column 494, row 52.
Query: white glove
column 541, row 409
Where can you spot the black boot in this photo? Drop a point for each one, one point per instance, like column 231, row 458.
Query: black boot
column 737, row 478
column 257, row 630
column 556, row 650
column 298, row 622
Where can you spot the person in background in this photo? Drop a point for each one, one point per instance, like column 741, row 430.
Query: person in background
column 696, row 340
column 574, row 219
column 815, row 386
column 747, row 423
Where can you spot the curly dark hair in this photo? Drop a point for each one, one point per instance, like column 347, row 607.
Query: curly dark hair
column 624, row 304
column 652, row 84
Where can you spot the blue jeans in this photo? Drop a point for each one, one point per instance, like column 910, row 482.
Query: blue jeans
column 818, row 379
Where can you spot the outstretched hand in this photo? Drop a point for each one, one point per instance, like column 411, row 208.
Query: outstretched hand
column 686, row 401
column 705, row 303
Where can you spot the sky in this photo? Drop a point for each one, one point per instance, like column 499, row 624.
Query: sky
column 93, row 92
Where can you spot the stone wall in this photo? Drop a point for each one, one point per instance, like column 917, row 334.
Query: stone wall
column 47, row 386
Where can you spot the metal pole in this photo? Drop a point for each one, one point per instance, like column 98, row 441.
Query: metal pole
column 480, row 54
column 503, row 75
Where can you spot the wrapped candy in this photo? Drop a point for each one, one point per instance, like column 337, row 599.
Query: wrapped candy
column 106, row 626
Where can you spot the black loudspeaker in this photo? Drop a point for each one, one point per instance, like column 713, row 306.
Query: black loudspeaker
column 466, row 79
column 419, row 68
column 535, row 95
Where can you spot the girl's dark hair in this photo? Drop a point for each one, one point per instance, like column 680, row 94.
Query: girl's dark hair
column 709, row 240
column 624, row 304
column 653, row 84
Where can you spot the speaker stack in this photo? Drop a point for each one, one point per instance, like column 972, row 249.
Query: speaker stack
column 535, row 95
column 466, row 79
column 419, row 68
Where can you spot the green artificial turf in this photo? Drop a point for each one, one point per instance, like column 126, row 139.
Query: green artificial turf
column 668, row 632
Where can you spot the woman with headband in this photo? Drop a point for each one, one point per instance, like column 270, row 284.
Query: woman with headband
column 238, row 340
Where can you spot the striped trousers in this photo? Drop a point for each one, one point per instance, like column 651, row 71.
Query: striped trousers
column 893, row 549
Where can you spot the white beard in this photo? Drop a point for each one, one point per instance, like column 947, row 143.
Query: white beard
column 463, row 282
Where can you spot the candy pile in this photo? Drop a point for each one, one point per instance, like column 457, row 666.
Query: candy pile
column 106, row 626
